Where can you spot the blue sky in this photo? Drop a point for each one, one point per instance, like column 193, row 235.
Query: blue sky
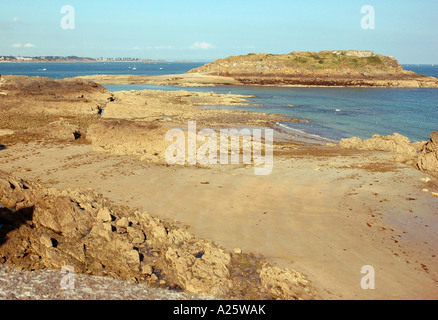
column 212, row 29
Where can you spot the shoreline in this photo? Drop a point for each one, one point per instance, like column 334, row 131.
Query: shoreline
column 324, row 212
column 92, row 61
column 202, row 79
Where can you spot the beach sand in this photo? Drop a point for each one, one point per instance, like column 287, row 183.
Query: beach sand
column 323, row 211
column 325, row 214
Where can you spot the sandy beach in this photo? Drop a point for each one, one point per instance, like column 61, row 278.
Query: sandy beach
column 325, row 215
column 324, row 211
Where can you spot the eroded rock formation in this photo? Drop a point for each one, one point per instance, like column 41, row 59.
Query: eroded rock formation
column 47, row 229
column 428, row 159
column 422, row 155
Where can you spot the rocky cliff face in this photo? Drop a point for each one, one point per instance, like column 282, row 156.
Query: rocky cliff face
column 325, row 68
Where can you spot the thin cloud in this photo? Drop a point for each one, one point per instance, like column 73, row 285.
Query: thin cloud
column 15, row 19
column 161, row 48
column 19, row 45
column 203, row 45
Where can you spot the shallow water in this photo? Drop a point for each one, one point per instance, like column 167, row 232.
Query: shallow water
column 332, row 113
column 336, row 113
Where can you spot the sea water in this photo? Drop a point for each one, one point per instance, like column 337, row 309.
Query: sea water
column 61, row 70
column 332, row 113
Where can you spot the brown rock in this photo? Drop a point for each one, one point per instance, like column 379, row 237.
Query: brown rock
column 62, row 216
column 136, row 236
column 142, row 140
column 208, row 275
column 285, row 284
column 122, row 223
column 74, row 227
column 104, row 215
column 428, row 159
column 404, row 150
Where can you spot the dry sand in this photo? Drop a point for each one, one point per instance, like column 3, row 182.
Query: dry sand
column 323, row 211
column 325, row 214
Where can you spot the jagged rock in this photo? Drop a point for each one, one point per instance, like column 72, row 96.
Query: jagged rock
column 46, row 241
column 146, row 269
column 62, row 216
column 50, row 228
column 158, row 231
column 207, row 275
column 423, row 155
column 428, row 159
column 104, row 215
column 404, row 150
column 178, row 237
column 285, row 283
column 122, row 223
column 136, row 236
column 101, row 231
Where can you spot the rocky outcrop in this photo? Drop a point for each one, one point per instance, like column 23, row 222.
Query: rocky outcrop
column 428, row 159
column 404, row 150
column 325, row 68
column 143, row 140
column 44, row 228
column 60, row 130
column 181, row 80
column 67, row 97
column 423, row 155
column 24, row 85
column 282, row 283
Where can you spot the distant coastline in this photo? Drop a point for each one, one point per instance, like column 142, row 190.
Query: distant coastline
column 70, row 59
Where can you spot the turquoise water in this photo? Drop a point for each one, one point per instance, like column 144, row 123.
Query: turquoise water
column 332, row 113
column 337, row 113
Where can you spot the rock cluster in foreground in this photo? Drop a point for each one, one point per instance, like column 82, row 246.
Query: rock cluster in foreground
column 423, row 155
column 47, row 229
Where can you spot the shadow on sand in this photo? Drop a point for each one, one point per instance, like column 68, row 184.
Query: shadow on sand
column 2, row 147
